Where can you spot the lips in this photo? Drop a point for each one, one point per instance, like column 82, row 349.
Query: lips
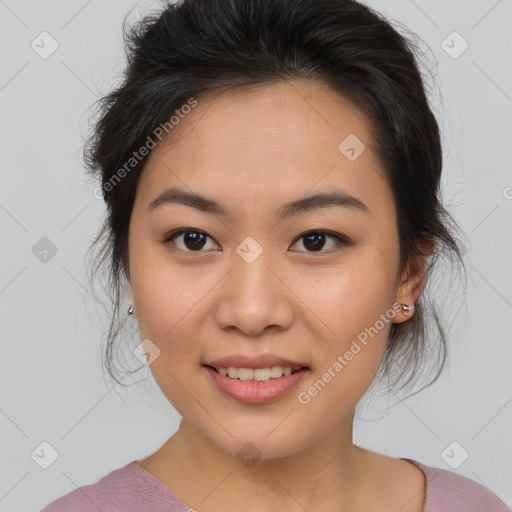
column 255, row 392
column 233, row 376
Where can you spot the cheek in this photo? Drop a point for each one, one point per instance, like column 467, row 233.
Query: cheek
column 168, row 310
column 164, row 294
column 349, row 297
column 353, row 319
column 169, row 319
column 167, row 305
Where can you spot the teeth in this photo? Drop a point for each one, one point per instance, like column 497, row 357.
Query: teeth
column 261, row 374
column 245, row 373
column 232, row 372
column 257, row 374
column 276, row 372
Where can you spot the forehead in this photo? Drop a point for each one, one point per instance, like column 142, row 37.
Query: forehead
column 269, row 142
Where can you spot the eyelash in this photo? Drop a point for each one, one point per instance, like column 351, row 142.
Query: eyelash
column 341, row 240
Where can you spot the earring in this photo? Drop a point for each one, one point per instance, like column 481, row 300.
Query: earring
column 130, row 310
column 406, row 308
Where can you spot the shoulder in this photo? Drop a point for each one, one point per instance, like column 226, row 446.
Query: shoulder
column 448, row 491
column 127, row 489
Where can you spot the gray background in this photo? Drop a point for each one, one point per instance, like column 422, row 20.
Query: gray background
column 52, row 387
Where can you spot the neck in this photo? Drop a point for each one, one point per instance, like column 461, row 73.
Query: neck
column 330, row 472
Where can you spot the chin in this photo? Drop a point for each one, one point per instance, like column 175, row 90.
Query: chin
column 251, row 442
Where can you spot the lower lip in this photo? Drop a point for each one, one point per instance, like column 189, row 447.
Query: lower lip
column 252, row 392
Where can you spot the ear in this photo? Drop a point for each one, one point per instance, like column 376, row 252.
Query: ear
column 412, row 280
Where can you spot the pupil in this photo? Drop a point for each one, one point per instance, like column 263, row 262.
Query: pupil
column 316, row 240
column 194, row 237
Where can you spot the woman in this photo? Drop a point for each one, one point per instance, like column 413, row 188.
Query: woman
column 271, row 170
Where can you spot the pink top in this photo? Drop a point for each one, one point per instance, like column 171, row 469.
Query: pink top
column 133, row 489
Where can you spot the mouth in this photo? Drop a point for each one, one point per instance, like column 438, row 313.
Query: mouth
column 255, row 386
column 256, row 374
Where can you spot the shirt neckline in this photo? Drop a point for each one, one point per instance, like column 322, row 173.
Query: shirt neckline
column 150, row 477
column 158, row 483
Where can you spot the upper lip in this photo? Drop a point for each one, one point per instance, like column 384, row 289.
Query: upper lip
column 261, row 361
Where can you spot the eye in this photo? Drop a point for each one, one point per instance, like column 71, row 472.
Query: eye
column 193, row 239
column 314, row 241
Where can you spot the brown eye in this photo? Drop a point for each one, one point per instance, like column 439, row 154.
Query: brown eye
column 315, row 241
column 193, row 240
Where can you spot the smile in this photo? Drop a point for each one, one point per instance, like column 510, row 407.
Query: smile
column 255, row 385
column 256, row 374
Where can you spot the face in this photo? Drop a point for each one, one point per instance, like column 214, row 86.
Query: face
column 248, row 280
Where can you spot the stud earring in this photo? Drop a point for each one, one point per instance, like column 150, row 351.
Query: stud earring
column 406, row 308
column 130, row 310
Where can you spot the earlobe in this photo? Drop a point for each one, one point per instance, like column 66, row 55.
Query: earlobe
column 413, row 282
column 403, row 312
column 409, row 291
column 407, row 310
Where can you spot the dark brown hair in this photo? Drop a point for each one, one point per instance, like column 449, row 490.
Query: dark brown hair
column 195, row 47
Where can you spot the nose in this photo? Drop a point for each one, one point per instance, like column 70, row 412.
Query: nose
column 254, row 298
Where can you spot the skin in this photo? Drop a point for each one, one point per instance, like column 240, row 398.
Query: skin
column 239, row 148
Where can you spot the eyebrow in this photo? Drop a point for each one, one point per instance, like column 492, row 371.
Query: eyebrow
column 303, row 205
